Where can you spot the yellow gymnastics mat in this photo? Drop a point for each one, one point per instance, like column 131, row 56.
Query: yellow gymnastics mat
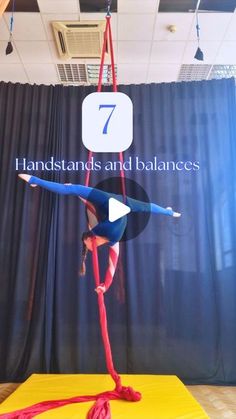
column 163, row 396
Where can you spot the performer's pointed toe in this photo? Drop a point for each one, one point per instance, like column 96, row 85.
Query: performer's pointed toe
column 25, row 177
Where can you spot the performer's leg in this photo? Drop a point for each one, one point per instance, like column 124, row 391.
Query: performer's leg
column 139, row 206
column 94, row 195
column 156, row 209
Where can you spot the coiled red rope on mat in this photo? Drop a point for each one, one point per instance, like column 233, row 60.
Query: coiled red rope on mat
column 101, row 407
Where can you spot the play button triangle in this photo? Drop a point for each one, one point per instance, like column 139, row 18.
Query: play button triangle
column 116, row 209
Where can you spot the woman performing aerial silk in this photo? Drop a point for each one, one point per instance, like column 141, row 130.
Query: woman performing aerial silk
column 101, row 229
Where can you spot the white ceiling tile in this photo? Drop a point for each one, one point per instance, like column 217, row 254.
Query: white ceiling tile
column 209, row 49
column 137, row 6
column 45, row 74
column 135, row 27
column 13, row 72
column 10, row 58
column 4, row 29
column 131, row 73
column 131, row 51
column 226, row 53
column 231, row 31
column 101, row 16
column 58, row 6
column 28, row 26
column 182, row 21
column 159, row 73
column 34, row 51
column 212, row 26
column 167, row 51
column 48, row 18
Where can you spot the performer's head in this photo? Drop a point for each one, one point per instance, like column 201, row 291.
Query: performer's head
column 87, row 239
column 87, row 245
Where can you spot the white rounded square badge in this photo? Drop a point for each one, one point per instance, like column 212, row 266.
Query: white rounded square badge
column 107, row 122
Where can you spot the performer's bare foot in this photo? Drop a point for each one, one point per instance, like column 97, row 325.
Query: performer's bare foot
column 175, row 214
column 26, row 178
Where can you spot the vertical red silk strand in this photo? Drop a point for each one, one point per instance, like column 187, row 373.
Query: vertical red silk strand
column 99, row 87
column 101, row 407
column 101, row 303
column 123, row 392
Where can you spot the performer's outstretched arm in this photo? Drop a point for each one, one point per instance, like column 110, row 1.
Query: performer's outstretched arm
column 93, row 195
column 139, row 206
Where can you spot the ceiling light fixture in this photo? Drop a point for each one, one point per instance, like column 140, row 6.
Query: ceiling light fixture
column 199, row 54
column 172, row 28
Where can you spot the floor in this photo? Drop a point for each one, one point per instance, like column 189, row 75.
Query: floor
column 218, row 402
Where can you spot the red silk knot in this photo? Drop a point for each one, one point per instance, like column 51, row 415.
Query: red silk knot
column 129, row 394
column 101, row 409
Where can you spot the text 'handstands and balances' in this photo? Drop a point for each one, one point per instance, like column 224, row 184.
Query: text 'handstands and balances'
column 130, row 164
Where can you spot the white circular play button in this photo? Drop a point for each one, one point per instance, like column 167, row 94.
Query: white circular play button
column 117, row 209
column 114, row 209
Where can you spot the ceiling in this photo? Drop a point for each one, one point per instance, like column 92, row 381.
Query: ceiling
column 145, row 50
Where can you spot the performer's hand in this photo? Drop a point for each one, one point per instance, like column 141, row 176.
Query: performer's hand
column 26, row 178
column 100, row 288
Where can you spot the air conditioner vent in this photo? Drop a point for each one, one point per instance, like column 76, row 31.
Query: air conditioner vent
column 196, row 72
column 81, row 25
column 93, row 73
column 79, row 39
column 79, row 74
column 83, row 44
column 220, row 71
column 61, row 40
column 72, row 73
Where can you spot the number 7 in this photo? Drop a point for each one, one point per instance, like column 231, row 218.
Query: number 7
column 107, row 122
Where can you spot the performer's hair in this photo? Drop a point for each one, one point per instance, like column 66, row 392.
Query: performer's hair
column 82, row 271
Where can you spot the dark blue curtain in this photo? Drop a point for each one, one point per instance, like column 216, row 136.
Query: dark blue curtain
column 172, row 306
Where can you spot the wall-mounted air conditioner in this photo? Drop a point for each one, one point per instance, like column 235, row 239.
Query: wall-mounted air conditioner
column 79, row 39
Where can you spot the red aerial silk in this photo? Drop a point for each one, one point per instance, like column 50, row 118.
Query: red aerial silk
column 101, row 407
